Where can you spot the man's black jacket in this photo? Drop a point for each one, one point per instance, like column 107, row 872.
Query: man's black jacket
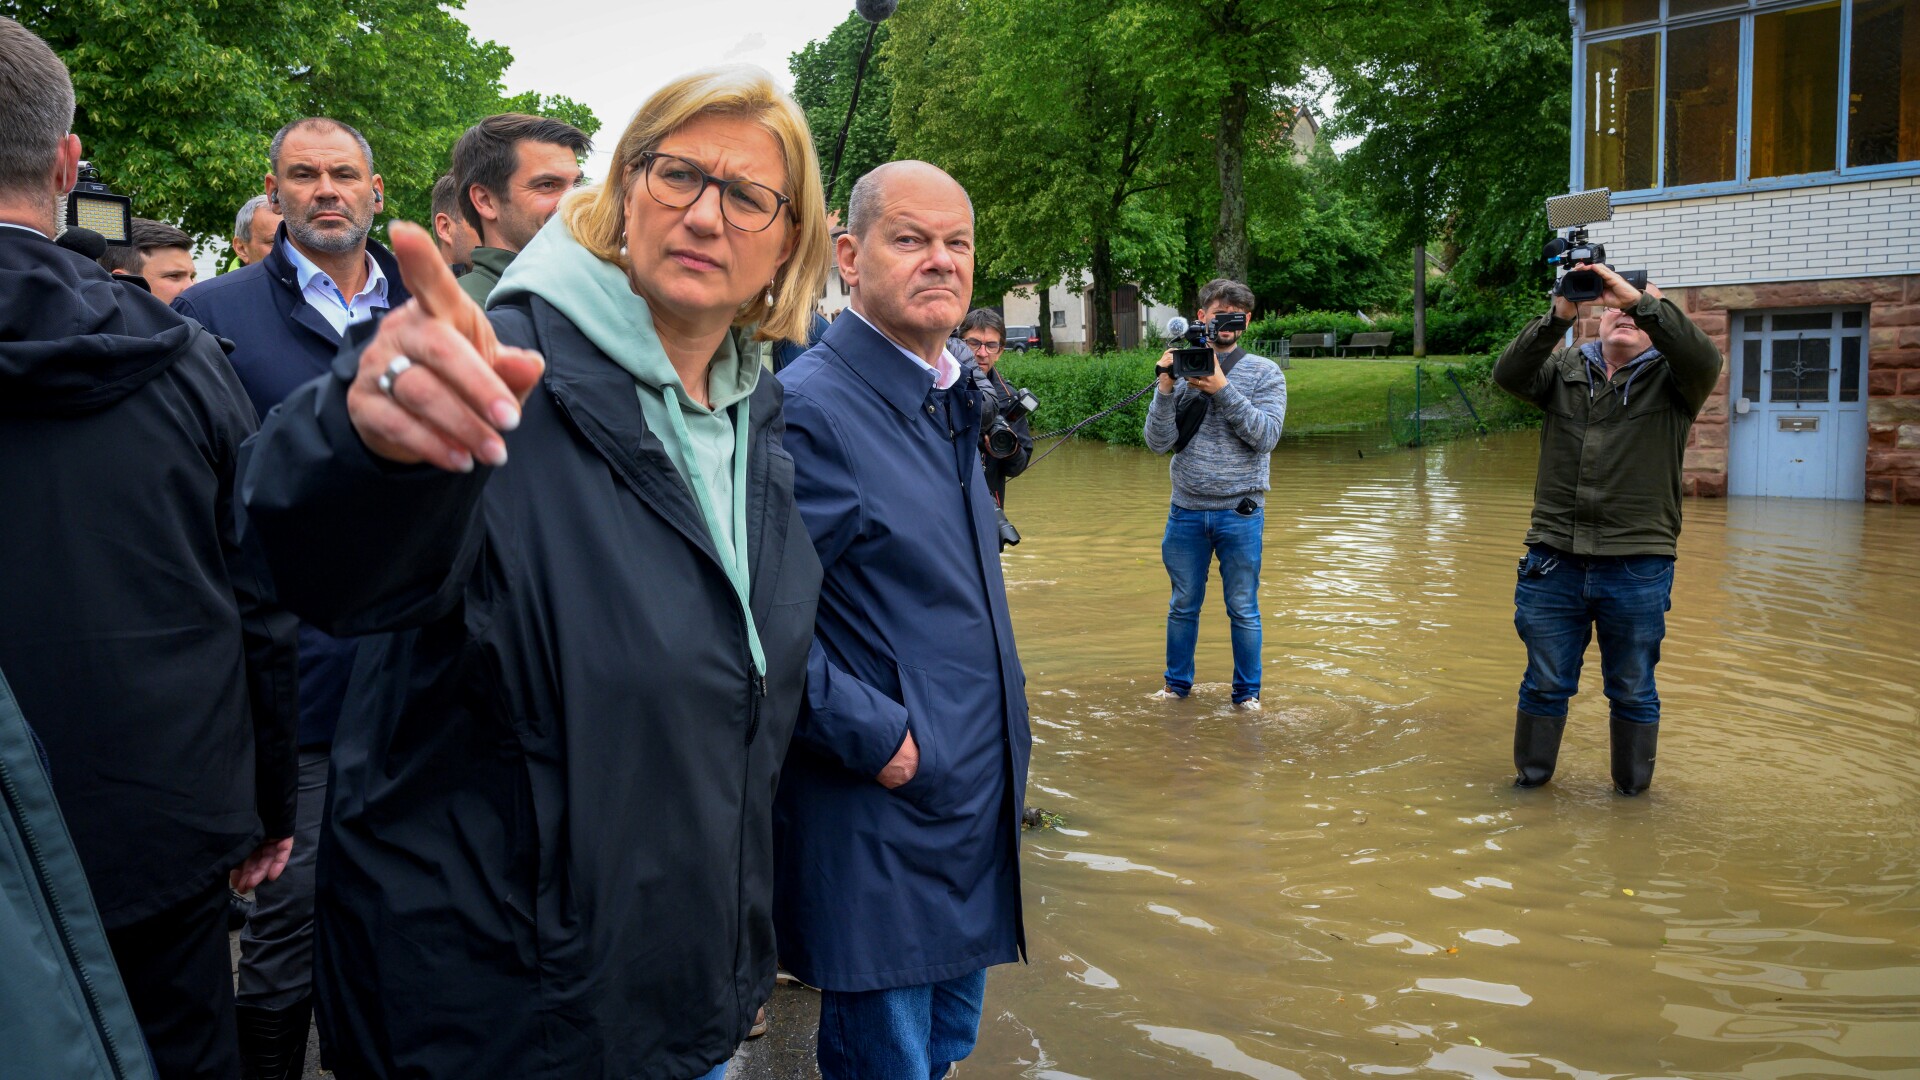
column 131, row 625
column 279, row 344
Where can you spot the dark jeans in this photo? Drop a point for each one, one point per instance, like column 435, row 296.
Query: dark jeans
column 276, row 947
column 178, row 975
column 900, row 1034
column 1193, row 538
column 1562, row 601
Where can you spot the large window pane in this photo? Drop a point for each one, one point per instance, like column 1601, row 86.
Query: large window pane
column 1883, row 107
column 1604, row 13
column 1622, row 84
column 1703, row 102
column 1677, row 8
column 1796, row 86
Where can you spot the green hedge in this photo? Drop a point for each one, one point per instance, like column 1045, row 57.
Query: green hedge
column 1472, row 330
column 1073, row 386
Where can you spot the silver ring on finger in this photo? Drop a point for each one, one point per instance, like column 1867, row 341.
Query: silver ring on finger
column 395, row 368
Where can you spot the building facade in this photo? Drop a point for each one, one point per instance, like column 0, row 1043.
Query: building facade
column 1764, row 158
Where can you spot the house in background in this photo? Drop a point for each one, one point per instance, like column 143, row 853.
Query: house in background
column 1135, row 318
column 1764, row 157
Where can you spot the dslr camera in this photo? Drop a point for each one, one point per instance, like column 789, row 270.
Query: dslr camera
column 1001, row 440
column 1574, row 255
column 1195, row 360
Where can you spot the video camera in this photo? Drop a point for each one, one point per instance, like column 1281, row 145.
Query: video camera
column 1001, row 439
column 1196, row 360
column 1574, row 213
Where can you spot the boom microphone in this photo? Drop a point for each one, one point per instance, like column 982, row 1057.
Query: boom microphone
column 875, row 10
column 83, row 242
column 1176, row 327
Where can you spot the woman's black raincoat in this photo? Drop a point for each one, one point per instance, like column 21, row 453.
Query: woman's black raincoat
column 549, row 851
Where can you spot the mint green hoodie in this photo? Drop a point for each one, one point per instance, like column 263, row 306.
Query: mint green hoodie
column 708, row 446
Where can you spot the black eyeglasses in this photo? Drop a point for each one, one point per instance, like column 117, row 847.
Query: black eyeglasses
column 678, row 183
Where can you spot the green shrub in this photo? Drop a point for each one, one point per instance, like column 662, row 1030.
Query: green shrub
column 1470, row 327
column 1073, row 386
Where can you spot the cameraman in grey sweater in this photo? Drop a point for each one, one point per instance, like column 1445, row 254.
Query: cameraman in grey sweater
column 1221, row 430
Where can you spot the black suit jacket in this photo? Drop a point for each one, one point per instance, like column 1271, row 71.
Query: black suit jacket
column 279, row 344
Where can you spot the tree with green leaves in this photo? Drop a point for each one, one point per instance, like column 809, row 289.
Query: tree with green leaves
column 1316, row 244
column 1057, row 152
column 178, row 99
column 823, row 77
column 1225, row 67
column 1461, row 107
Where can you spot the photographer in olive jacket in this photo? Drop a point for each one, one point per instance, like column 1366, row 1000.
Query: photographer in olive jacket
column 1606, row 513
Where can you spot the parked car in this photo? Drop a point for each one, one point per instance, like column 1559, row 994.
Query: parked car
column 1022, row 338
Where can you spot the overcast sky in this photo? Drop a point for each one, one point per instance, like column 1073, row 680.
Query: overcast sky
column 610, row 54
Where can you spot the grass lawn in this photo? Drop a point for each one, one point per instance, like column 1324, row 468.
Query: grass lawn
column 1325, row 393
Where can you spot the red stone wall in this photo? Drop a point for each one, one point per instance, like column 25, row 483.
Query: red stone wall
column 1893, row 373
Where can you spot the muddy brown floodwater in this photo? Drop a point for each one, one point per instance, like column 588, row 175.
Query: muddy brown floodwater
column 1347, row 886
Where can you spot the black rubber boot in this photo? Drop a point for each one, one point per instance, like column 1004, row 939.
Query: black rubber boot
column 1633, row 746
column 273, row 1042
column 1536, row 746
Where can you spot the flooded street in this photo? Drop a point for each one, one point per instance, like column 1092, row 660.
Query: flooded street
column 1346, row 884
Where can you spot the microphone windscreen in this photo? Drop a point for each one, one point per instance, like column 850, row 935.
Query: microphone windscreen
column 875, row 10
column 83, row 242
column 1176, row 327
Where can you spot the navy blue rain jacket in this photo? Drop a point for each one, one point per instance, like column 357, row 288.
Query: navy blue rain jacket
column 281, row 343
column 876, row 889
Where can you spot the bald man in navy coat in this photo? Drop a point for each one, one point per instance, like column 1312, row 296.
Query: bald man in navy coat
column 897, row 825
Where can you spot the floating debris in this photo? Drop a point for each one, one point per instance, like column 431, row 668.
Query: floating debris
column 1036, row 818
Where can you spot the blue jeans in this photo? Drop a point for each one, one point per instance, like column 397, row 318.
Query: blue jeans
column 1563, row 600
column 719, row 1072
column 911, row 1031
column 1193, row 538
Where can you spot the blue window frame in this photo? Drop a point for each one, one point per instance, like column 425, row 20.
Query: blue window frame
column 1664, row 94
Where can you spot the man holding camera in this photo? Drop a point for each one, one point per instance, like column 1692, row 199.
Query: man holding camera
column 1606, row 512
column 985, row 335
column 1221, row 429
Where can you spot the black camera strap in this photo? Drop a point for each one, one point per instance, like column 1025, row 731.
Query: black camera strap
column 1192, row 410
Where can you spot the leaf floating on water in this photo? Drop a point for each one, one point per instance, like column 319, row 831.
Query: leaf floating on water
column 1451, row 949
column 1474, row 1041
column 1629, row 892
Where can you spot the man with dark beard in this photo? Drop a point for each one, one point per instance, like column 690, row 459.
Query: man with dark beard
column 286, row 316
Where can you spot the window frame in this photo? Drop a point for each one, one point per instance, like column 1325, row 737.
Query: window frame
column 1744, row 13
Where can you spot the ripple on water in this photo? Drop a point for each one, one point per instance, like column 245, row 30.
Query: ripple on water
column 1218, row 1051
column 1475, row 990
column 1319, row 892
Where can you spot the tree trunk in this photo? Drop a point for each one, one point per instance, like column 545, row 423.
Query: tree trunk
column 1100, row 289
column 1229, row 157
column 1419, row 300
column 1046, row 316
column 1196, row 229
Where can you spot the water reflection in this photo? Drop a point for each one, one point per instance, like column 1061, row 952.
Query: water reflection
column 1345, row 884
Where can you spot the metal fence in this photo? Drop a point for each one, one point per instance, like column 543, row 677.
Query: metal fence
column 1435, row 408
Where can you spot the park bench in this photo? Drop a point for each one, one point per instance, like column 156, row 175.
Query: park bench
column 1310, row 341
column 1382, row 341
